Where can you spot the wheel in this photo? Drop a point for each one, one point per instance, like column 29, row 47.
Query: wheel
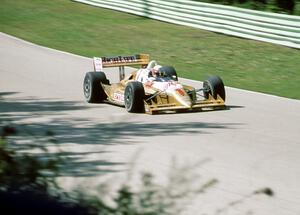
column 214, row 86
column 134, row 97
column 169, row 71
column 93, row 91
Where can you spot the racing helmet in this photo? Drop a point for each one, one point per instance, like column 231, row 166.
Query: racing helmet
column 156, row 71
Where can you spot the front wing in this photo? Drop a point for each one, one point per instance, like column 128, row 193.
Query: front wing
column 201, row 105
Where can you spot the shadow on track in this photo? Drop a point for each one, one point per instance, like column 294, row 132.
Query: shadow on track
column 70, row 134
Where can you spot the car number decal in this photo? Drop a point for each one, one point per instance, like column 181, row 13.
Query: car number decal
column 118, row 97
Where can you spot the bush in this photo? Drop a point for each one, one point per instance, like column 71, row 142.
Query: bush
column 25, row 189
column 279, row 6
column 286, row 5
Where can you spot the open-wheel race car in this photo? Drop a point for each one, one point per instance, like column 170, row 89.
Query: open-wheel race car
column 151, row 89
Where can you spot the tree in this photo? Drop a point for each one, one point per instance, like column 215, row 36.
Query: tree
column 287, row 5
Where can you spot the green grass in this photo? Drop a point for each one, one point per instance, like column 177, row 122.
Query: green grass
column 92, row 31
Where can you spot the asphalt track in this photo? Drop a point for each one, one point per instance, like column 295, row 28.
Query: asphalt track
column 255, row 143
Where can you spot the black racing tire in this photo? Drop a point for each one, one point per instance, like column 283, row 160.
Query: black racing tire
column 169, row 71
column 92, row 88
column 134, row 97
column 214, row 86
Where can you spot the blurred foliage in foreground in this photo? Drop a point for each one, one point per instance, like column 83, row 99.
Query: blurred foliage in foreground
column 27, row 186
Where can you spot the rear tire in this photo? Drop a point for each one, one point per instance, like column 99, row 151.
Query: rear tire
column 134, row 97
column 214, row 86
column 92, row 88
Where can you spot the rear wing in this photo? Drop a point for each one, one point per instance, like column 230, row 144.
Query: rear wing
column 121, row 62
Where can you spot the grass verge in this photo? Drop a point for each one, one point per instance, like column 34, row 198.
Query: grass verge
column 91, row 31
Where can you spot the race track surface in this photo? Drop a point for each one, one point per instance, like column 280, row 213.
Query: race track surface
column 253, row 144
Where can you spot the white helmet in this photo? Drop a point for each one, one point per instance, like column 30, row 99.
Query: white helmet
column 155, row 71
column 157, row 67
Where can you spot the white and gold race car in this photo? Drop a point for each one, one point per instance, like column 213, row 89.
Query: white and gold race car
column 151, row 88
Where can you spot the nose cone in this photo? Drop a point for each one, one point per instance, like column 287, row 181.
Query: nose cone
column 182, row 97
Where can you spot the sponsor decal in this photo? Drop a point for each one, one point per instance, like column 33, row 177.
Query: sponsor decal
column 149, row 84
column 180, row 92
column 98, row 64
column 119, row 59
column 167, row 86
column 118, row 97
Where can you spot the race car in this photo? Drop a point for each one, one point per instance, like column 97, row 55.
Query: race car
column 150, row 89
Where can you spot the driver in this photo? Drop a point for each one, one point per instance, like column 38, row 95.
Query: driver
column 154, row 72
column 148, row 75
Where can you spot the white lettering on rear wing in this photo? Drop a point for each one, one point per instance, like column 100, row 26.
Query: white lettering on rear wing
column 120, row 61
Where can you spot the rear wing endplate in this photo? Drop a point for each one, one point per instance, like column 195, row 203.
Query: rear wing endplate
column 121, row 62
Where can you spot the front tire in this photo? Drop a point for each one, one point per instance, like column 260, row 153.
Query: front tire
column 134, row 97
column 214, row 86
column 92, row 88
